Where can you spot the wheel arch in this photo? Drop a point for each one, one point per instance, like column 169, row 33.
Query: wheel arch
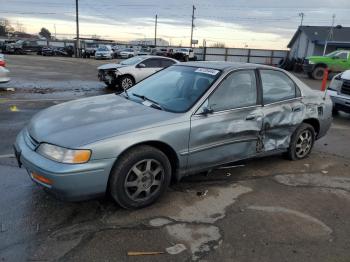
column 163, row 147
column 321, row 65
column 315, row 123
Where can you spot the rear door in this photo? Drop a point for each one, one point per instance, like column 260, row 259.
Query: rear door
column 230, row 132
column 283, row 109
column 152, row 65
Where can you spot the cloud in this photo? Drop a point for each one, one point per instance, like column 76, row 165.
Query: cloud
column 236, row 21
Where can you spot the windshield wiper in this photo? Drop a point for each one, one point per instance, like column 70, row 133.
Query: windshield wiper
column 145, row 98
column 125, row 92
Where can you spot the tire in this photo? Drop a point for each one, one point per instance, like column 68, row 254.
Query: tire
column 125, row 82
column 186, row 58
column 140, row 177
column 129, row 56
column 318, row 73
column 299, row 149
column 335, row 111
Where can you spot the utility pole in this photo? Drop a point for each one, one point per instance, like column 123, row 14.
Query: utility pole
column 330, row 35
column 77, row 21
column 155, row 31
column 301, row 24
column 193, row 9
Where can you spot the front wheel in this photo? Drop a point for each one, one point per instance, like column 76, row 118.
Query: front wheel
column 318, row 73
column 125, row 82
column 140, row 177
column 301, row 142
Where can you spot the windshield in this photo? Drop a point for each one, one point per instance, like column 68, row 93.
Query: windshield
column 102, row 48
column 334, row 53
column 132, row 61
column 176, row 88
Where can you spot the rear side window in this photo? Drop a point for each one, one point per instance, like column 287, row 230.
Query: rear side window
column 166, row 62
column 277, row 86
column 149, row 63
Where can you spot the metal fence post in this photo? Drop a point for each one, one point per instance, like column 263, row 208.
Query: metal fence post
column 204, row 53
column 271, row 58
column 248, row 60
column 226, row 51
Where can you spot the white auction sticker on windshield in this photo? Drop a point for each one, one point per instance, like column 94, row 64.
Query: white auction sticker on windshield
column 207, row 71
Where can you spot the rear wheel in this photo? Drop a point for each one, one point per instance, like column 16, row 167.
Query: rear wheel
column 318, row 73
column 140, row 177
column 301, row 142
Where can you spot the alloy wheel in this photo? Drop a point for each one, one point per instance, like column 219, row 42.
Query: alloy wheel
column 126, row 83
column 144, row 180
column 304, row 144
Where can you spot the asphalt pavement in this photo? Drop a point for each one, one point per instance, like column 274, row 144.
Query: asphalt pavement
column 268, row 209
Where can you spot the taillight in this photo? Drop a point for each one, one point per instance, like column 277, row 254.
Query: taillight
column 2, row 63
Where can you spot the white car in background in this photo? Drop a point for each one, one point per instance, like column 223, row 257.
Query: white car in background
column 4, row 73
column 187, row 54
column 127, row 53
column 339, row 91
column 132, row 70
column 104, row 52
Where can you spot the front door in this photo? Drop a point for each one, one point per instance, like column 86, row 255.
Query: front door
column 283, row 109
column 227, row 126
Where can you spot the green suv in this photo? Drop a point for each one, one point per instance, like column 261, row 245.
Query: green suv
column 337, row 61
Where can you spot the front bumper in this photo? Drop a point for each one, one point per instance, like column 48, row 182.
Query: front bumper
column 72, row 182
column 340, row 102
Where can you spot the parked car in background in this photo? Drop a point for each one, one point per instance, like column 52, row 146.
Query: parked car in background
column 127, row 53
column 336, row 62
column 104, row 52
column 4, row 73
column 185, row 54
column 185, row 119
column 145, row 51
column 339, row 91
column 23, row 47
column 132, row 70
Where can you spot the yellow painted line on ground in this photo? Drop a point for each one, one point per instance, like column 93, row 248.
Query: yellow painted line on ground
column 14, row 108
column 4, row 100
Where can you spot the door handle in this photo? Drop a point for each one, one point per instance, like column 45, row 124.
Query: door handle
column 250, row 117
column 296, row 109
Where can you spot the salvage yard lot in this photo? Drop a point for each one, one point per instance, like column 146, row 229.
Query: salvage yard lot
column 268, row 209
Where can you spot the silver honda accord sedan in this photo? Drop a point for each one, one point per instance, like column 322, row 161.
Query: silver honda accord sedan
column 185, row 119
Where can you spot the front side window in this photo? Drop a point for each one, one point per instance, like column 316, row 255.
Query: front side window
column 237, row 90
column 277, row 86
column 342, row 55
column 176, row 88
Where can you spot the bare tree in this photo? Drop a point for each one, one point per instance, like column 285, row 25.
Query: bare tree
column 218, row 45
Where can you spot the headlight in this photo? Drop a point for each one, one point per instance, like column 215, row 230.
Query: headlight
column 64, row 155
column 311, row 62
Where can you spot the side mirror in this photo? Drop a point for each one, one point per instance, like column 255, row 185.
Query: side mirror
column 207, row 110
column 141, row 65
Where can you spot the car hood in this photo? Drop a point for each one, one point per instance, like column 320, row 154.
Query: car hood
column 84, row 121
column 110, row 66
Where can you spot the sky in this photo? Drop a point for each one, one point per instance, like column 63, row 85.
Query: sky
column 236, row 23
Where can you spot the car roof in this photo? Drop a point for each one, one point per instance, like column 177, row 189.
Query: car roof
column 157, row 56
column 221, row 65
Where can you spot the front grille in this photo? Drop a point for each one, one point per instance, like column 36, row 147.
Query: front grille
column 30, row 141
column 345, row 89
column 306, row 61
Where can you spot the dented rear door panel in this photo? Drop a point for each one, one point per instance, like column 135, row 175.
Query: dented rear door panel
column 280, row 121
